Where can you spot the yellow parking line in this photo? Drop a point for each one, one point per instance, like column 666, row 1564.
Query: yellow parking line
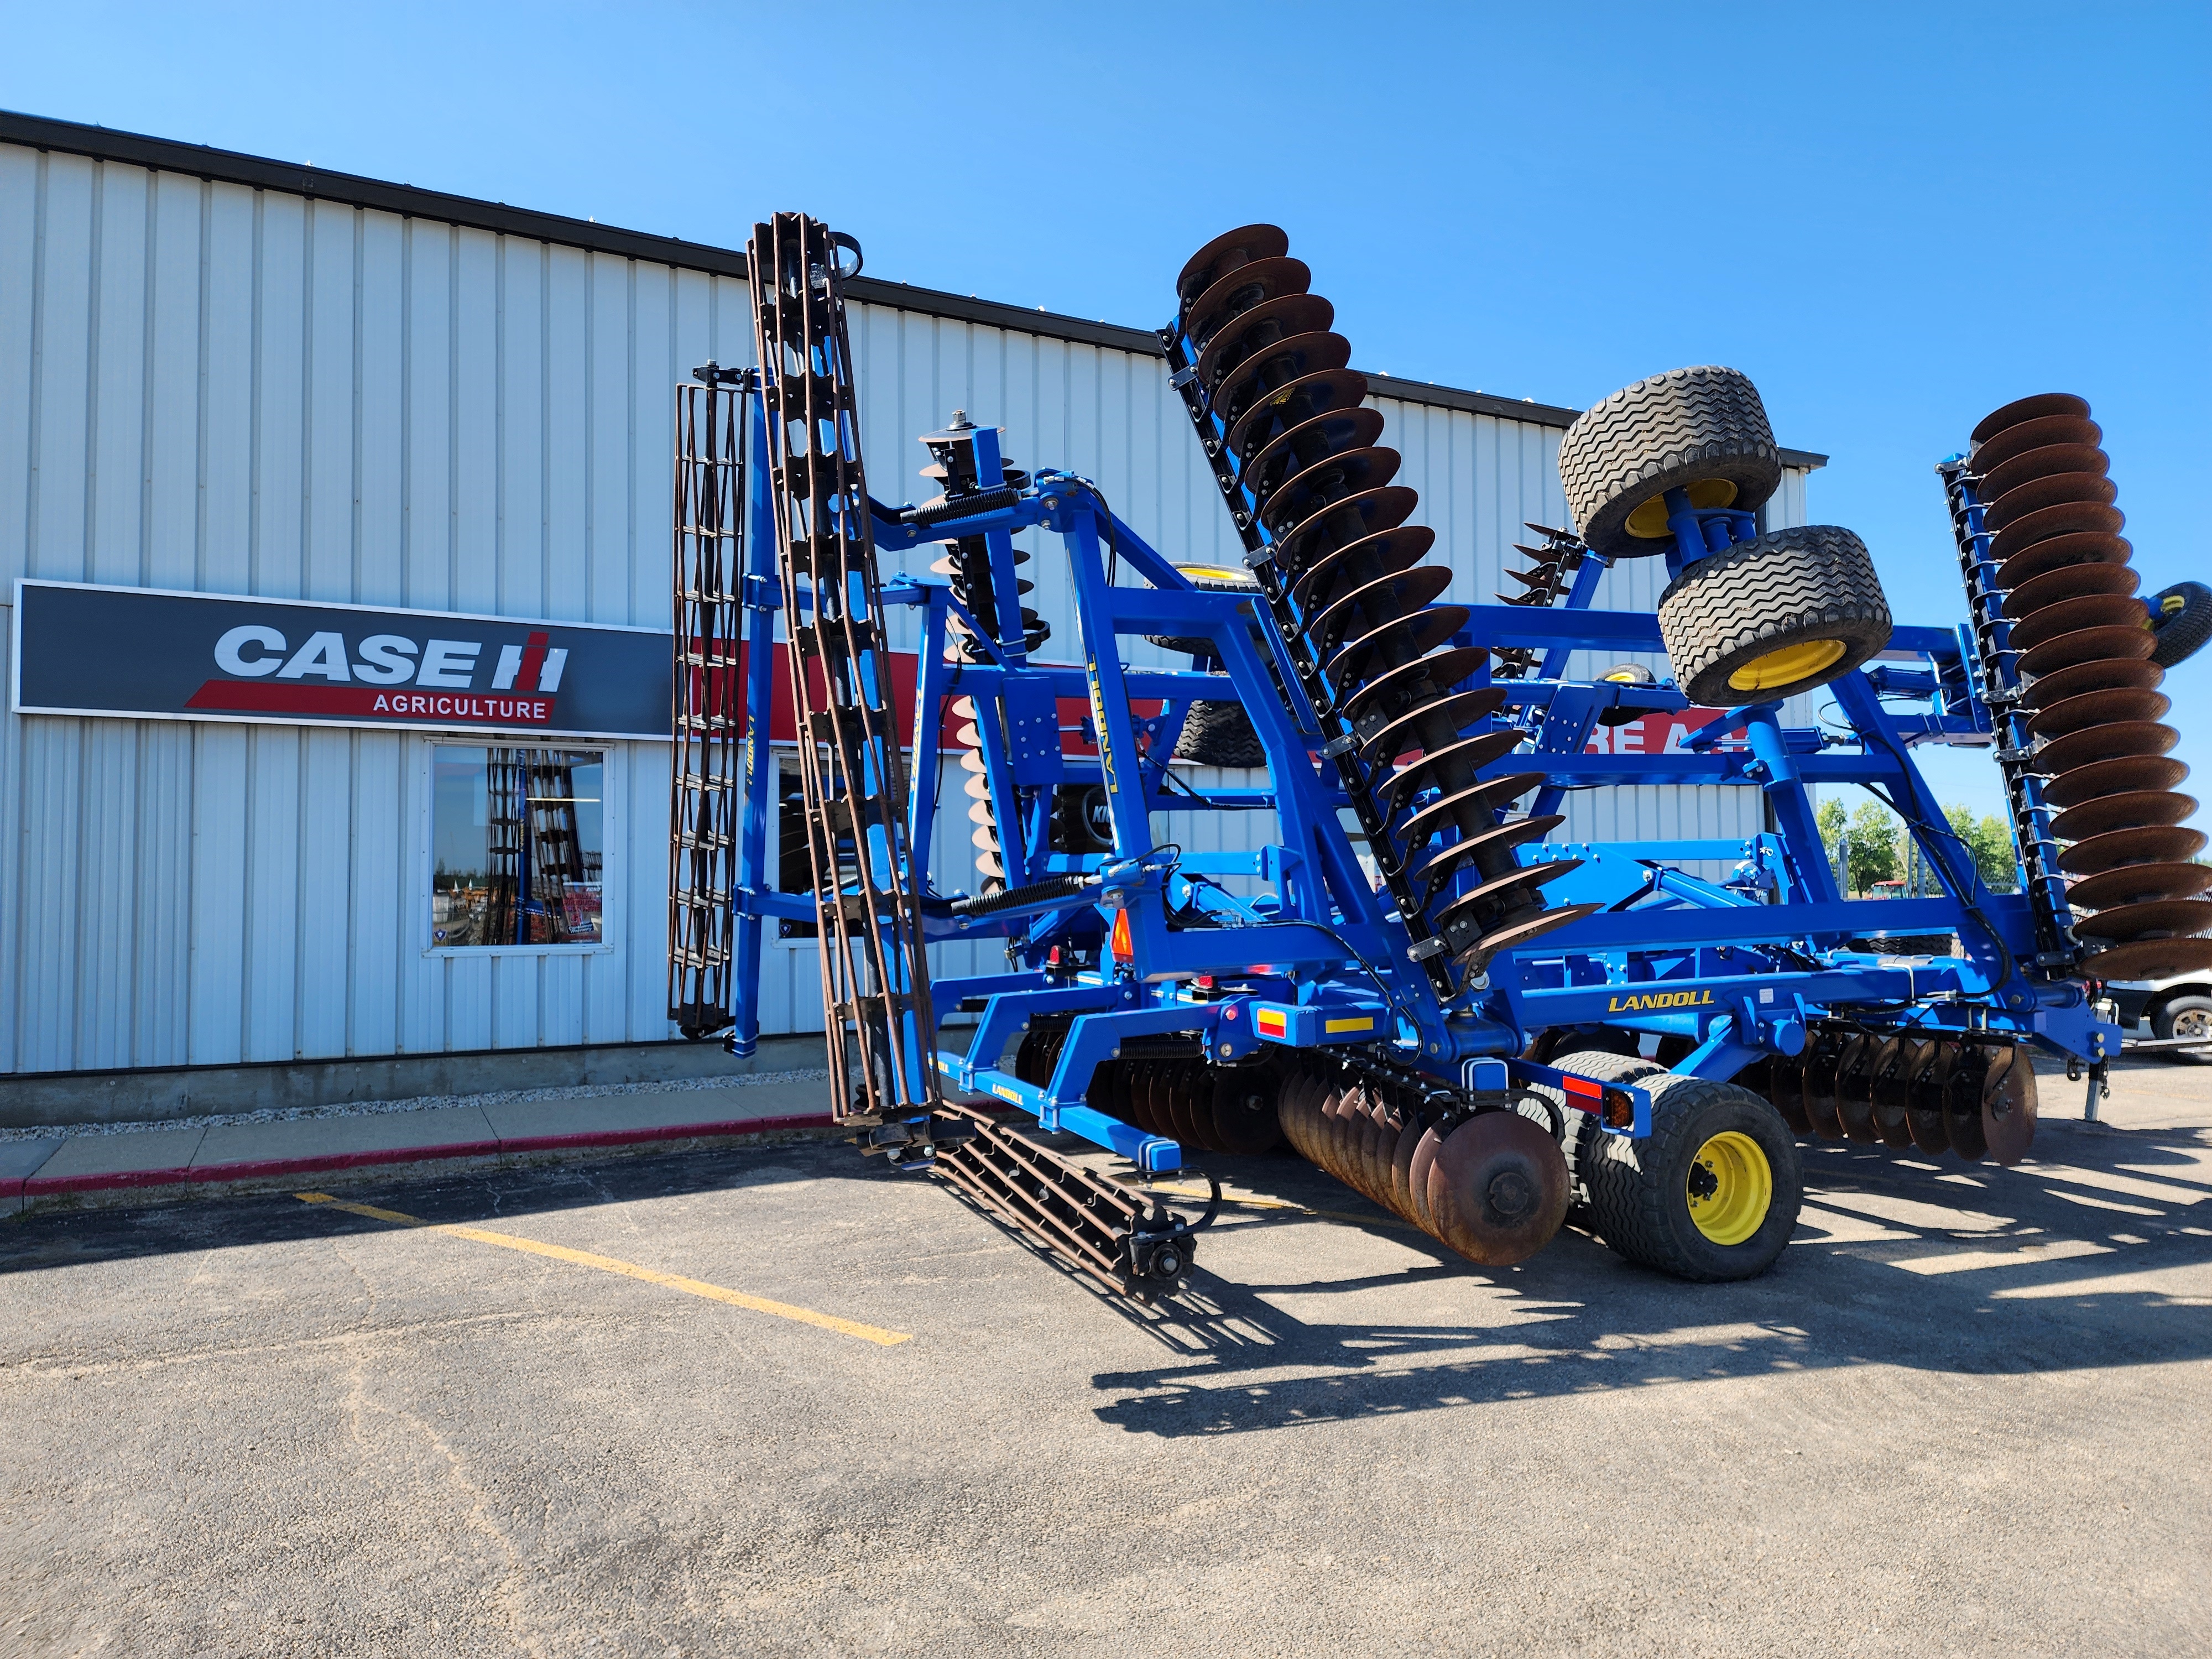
column 628, row 1269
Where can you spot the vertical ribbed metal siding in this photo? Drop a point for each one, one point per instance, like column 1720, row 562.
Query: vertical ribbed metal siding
column 211, row 387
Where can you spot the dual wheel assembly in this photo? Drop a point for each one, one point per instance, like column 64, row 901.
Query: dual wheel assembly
column 1712, row 1194
column 1758, row 617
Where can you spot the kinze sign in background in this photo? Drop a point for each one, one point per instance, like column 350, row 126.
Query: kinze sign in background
column 136, row 651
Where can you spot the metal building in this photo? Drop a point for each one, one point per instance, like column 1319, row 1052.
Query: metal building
column 229, row 376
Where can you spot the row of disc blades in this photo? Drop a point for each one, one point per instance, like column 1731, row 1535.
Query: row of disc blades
column 1272, row 369
column 2085, row 645
column 968, row 564
column 1200, row 1106
column 1493, row 1186
column 1931, row 1095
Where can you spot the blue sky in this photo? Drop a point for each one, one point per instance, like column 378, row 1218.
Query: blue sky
column 1894, row 218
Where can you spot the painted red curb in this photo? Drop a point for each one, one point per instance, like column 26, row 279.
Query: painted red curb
column 256, row 1169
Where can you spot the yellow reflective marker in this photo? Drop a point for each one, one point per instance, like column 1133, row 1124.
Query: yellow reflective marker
column 628, row 1269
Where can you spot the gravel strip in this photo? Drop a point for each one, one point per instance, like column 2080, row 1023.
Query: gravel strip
column 418, row 1104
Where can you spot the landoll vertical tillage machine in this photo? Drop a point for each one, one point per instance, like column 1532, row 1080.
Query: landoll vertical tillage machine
column 1410, row 985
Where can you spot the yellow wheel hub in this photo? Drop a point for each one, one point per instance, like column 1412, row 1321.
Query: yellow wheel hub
column 1731, row 1188
column 1787, row 666
column 1221, row 575
column 1650, row 520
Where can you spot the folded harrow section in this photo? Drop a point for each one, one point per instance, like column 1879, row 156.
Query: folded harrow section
column 875, row 978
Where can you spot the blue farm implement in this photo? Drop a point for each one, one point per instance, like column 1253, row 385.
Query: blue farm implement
column 1409, row 983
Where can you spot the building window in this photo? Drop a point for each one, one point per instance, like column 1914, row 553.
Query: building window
column 794, row 862
column 517, row 846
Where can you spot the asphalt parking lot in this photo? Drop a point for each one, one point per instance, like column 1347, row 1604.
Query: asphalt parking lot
column 1966, row 1413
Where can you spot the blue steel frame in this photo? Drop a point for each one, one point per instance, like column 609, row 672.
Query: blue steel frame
column 1741, row 968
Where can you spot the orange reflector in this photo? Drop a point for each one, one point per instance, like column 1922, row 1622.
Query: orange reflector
column 1123, row 950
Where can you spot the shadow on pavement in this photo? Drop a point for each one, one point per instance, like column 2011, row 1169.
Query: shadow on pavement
column 2090, row 1255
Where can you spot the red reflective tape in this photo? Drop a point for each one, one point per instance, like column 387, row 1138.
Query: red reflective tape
column 1583, row 1086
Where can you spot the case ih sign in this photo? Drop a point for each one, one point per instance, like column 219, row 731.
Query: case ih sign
column 148, row 655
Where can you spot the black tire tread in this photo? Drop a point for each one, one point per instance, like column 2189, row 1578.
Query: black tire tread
column 1579, row 1144
column 2183, row 634
column 1219, row 734
column 1673, row 428
column 1758, row 595
column 1632, row 1210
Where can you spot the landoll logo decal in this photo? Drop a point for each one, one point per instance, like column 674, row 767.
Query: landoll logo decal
column 1651, row 1002
column 270, row 676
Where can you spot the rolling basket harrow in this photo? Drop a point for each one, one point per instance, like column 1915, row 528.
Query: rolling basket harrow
column 1410, row 985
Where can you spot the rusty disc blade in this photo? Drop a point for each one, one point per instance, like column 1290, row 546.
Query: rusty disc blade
column 1369, row 559
column 1962, row 1102
column 1356, row 1133
column 1326, row 482
column 1820, row 1090
column 1246, row 1117
column 1287, row 406
column 2052, row 460
column 1452, row 766
column 2063, row 518
column 2024, row 501
column 1432, row 726
column 2154, row 919
column 1401, row 1163
column 2039, row 406
column 2090, row 645
column 1385, row 599
column 1130, row 1095
column 2110, row 674
column 1503, row 891
column 2008, row 1106
column 2072, row 581
column 2148, row 808
column 1231, row 251
column 1471, row 849
column 1466, row 811
column 1402, row 689
column 1923, row 1101
column 1192, row 1091
column 1785, row 1090
column 1523, row 933
column 1282, row 318
column 2091, row 708
column 2127, row 775
column 2024, row 435
column 2138, row 884
column 1854, row 1088
column 1274, row 367
column 1328, row 1101
column 1894, row 1063
column 1290, row 1107
column 2147, row 843
column 1431, row 1142
column 1237, row 291
column 2149, row 958
column 2073, row 614
column 1497, row 1191
column 2107, row 742
column 1287, row 455
column 1344, row 522
column 2075, row 551
column 1404, row 638
column 1378, row 1141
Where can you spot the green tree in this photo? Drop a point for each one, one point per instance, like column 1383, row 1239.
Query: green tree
column 1870, row 833
column 1832, row 820
column 1990, row 843
column 1874, row 846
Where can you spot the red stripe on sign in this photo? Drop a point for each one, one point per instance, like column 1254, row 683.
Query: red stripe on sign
column 533, row 658
column 367, row 703
column 1583, row 1086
